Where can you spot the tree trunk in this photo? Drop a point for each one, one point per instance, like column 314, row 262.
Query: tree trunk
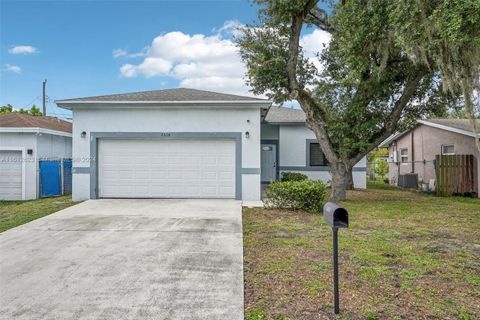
column 350, row 179
column 341, row 180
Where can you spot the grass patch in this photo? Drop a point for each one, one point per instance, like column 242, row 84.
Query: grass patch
column 15, row 213
column 379, row 183
column 405, row 256
column 315, row 287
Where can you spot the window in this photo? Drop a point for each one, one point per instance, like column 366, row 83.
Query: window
column 448, row 149
column 404, row 155
column 317, row 158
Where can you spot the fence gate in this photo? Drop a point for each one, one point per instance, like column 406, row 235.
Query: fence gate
column 67, row 176
column 55, row 177
column 50, row 178
column 455, row 174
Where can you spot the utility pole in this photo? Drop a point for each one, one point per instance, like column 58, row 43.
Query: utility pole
column 44, row 105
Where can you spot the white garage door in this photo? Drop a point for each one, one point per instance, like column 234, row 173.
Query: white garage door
column 10, row 175
column 166, row 168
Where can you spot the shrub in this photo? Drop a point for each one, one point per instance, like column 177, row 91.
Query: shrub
column 307, row 195
column 293, row 176
column 381, row 167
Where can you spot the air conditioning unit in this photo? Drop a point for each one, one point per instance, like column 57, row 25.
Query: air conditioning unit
column 408, row 180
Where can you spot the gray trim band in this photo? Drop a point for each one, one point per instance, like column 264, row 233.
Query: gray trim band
column 250, row 170
column 81, row 170
column 305, row 168
column 261, row 104
column 303, row 124
column 94, row 136
column 319, row 168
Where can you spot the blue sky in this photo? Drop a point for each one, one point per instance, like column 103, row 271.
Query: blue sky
column 86, row 48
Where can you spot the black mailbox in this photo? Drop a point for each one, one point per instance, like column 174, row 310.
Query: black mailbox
column 335, row 215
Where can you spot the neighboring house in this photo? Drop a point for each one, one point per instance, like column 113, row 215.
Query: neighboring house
column 182, row 143
column 414, row 151
column 25, row 139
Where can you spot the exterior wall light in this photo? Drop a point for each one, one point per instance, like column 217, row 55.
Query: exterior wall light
column 247, row 134
column 83, row 134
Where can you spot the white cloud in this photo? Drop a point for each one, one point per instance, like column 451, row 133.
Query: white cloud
column 12, row 68
column 197, row 61
column 153, row 66
column 128, row 70
column 230, row 27
column 117, row 53
column 204, row 62
column 220, row 84
column 22, row 50
column 314, row 43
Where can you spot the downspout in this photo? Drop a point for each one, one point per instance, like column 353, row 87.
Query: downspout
column 413, row 150
column 396, row 159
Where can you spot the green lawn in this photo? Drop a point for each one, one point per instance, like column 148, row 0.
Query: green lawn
column 379, row 184
column 405, row 256
column 15, row 213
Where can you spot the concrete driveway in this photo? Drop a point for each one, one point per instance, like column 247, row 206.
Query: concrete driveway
column 126, row 259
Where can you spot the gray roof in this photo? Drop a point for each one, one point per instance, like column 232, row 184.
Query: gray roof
column 462, row 124
column 285, row 115
column 167, row 95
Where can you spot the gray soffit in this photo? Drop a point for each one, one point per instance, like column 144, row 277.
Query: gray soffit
column 170, row 97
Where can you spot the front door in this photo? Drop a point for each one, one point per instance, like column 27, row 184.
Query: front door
column 269, row 162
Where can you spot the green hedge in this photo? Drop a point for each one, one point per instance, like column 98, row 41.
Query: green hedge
column 307, row 195
column 293, row 176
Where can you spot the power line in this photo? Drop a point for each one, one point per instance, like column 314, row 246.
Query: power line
column 31, row 102
column 60, row 115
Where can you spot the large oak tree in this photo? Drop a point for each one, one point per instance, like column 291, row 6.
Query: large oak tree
column 385, row 66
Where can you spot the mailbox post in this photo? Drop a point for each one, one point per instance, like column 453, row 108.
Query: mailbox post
column 336, row 217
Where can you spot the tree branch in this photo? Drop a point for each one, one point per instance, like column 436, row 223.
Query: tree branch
column 296, row 25
column 394, row 117
column 408, row 92
column 316, row 122
column 318, row 17
column 315, row 114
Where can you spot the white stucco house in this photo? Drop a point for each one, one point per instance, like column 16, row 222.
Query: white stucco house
column 25, row 139
column 185, row 143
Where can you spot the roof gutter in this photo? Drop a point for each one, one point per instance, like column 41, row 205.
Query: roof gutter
column 35, row 131
column 287, row 123
column 70, row 104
